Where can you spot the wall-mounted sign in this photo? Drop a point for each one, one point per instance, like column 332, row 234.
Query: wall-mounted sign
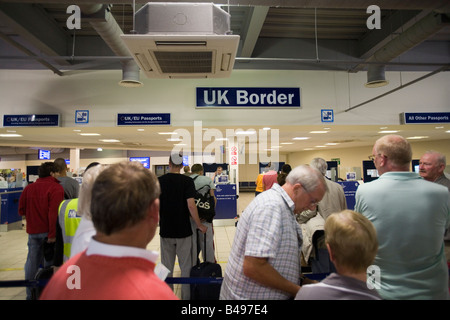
column 327, row 115
column 424, row 117
column 248, row 97
column 31, row 120
column 82, row 116
column 143, row 119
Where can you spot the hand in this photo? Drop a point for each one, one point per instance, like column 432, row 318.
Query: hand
column 202, row 228
column 51, row 240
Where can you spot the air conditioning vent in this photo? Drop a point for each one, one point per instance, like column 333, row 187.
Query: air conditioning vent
column 183, row 40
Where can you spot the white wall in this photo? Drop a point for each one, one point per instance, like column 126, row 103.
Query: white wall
column 25, row 92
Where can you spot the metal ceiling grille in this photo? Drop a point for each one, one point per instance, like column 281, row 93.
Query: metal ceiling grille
column 184, row 62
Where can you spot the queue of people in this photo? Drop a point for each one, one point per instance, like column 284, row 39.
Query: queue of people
column 391, row 246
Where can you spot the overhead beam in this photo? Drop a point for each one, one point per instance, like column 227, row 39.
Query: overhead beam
column 254, row 29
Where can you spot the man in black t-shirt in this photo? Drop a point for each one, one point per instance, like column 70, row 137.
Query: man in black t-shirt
column 177, row 206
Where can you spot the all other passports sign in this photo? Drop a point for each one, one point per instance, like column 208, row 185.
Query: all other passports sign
column 248, row 97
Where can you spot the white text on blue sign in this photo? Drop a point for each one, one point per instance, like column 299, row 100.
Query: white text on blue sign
column 248, row 97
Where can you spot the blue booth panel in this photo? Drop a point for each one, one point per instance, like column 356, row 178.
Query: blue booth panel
column 226, row 207
column 10, row 205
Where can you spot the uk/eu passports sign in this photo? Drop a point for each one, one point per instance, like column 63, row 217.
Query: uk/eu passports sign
column 31, row 120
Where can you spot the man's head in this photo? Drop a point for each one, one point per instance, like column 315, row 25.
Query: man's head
column 47, row 169
column 124, row 195
column 432, row 165
column 197, row 168
column 320, row 164
column 176, row 160
column 392, row 153
column 306, row 186
column 61, row 166
column 85, row 195
column 351, row 240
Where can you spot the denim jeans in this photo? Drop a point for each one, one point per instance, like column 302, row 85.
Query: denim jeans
column 35, row 257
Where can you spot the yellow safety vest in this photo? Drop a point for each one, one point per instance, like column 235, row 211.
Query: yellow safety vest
column 69, row 221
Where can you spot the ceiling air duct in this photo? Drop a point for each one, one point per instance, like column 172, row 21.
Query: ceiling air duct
column 376, row 76
column 182, row 41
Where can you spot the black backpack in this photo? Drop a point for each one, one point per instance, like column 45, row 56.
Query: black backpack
column 205, row 204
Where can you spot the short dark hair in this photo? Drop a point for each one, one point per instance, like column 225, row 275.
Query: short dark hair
column 197, row 168
column 60, row 164
column 46, row 168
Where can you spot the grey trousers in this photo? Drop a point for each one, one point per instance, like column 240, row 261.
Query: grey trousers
column 181, row 248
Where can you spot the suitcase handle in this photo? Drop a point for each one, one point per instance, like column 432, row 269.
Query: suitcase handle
column 198, row 246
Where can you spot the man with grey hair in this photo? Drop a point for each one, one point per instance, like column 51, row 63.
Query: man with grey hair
column 410, row 215
column 265, row 259
column 431, row 167
column 314, row 249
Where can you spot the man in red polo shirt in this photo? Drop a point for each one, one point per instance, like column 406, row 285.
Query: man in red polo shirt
column 39, row 203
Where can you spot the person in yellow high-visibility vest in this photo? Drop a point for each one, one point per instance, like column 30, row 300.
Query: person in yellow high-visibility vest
column 68, row 219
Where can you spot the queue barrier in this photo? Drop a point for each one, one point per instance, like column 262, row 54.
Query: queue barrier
column 169, row 280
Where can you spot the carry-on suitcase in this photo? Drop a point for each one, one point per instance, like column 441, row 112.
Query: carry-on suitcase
column 209, row 291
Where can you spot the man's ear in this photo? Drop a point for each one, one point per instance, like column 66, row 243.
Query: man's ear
column 153, row 210
column 330, row 252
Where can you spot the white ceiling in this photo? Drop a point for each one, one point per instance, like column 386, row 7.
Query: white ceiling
column 150, row 139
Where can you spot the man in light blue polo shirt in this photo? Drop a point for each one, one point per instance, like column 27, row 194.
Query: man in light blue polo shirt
column 410, row 215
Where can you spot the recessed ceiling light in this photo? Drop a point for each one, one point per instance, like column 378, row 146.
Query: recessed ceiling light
column 167, row 133
column 331, row 144
column 140, row 129
column 174, row 139
column 388, row 131
column 10, row 135
column 321, row 146
column 89, row 134
column 300, row 138
column 109, row 140
column 308, row 149
column 266, row 128
column 99, row 149
column 246, row 132
column 318, row 131
column 286, row 143
column 448, row 131
column 417, row 137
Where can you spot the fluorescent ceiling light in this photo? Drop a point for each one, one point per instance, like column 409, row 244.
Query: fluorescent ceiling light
column 167, row 133
column 331, row 144
column 300, row 138
column 89, row 134
column 388, row 131
column 417, row 137
column 246, row 132
column 321, row 146
column 266, row 128
column 308, row 149
column 174, row 139
column 286, row 143
column 318, row 132
column 140, row 129
column 10, row 135
column 109, row 140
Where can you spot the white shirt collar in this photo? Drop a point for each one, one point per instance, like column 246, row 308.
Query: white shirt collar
column 115, row 251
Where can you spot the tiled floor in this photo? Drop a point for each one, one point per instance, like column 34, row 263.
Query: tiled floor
column 14, row 251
